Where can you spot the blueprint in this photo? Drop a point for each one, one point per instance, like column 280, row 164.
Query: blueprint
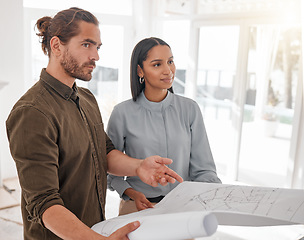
column 272, row 205
column 233, row 205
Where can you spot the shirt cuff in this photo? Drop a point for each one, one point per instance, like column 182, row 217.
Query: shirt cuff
column 36, row 214
column 120, row 186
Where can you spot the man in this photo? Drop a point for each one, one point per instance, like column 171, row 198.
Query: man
column 57, row 139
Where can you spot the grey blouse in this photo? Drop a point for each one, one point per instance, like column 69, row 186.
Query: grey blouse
column 173, row 128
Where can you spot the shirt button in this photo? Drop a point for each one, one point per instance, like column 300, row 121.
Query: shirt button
column 66, row 95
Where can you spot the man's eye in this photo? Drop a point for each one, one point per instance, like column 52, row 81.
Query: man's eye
column 171, row 62
column 86, row 45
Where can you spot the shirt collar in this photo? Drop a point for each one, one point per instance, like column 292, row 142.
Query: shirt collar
column 63, row 90
column 155, row 106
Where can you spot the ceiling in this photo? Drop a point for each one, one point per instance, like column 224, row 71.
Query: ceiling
column 230, row 6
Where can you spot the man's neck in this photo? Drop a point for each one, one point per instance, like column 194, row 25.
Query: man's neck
column 59, row 73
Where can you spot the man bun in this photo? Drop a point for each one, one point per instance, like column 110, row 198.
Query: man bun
column 43, row 27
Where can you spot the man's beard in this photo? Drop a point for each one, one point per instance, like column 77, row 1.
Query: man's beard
column 72, row 68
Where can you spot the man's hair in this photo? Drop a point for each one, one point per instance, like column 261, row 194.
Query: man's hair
column 64, row 25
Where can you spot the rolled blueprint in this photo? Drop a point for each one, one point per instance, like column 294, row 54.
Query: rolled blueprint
column 166, row 226
column 183, row 225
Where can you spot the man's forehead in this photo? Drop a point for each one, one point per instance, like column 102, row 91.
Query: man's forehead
column 89, row 31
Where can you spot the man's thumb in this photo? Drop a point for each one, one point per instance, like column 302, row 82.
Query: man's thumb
column 125, row 230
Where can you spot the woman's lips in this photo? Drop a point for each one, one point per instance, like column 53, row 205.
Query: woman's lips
column 167, row 80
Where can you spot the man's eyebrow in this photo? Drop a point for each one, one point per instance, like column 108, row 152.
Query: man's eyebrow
column 91, row 41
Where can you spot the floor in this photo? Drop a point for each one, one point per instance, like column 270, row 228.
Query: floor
column 11, row 221
column 10, row 213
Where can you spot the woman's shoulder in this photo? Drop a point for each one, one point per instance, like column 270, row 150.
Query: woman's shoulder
column 184, row 101
column 187, row 107
column 125, row 106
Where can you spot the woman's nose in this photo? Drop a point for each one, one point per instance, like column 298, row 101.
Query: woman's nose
column 167, row 69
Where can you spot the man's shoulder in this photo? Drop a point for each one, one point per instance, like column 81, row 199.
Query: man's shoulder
column 38, row 98
column 30, row 106
column 31, row 97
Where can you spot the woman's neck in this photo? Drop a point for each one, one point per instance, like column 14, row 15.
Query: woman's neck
column 156, row 96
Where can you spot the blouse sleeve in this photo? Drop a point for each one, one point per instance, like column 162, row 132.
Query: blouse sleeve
column 116, row 132
column 202, row 166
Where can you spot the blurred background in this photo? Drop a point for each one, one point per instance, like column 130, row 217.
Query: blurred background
column 241, row 60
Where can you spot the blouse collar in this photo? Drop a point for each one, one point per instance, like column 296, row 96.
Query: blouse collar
column 155, row 106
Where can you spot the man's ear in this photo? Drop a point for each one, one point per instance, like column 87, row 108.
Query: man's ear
column 55, row 45
column 140, row 72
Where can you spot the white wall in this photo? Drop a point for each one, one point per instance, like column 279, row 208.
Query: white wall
column 12, row 72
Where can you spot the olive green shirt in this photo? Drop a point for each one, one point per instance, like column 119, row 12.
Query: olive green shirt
column 57, row 140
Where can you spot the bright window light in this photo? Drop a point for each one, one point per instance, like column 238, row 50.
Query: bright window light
column 116, row 7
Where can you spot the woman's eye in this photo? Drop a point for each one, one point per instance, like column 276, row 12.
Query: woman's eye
column 156, row 65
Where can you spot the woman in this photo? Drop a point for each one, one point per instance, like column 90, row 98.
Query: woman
column 156, row 121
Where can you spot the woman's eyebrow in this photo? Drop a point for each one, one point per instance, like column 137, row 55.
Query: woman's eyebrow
column 159, row 60
column 156, row 60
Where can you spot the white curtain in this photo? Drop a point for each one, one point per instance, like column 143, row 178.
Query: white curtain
column 266, row 49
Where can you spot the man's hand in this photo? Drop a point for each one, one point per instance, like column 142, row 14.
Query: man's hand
column 153, row 170
column 122, row 233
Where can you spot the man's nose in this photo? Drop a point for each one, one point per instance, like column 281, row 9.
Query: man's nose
column 95, row 55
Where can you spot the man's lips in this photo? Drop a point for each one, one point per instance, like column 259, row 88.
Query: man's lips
column 90, row 67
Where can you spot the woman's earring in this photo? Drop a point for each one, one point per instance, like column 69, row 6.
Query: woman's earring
column 141, row 80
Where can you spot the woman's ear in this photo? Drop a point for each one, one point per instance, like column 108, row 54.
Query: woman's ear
column 140, row 72
column 55, row 45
